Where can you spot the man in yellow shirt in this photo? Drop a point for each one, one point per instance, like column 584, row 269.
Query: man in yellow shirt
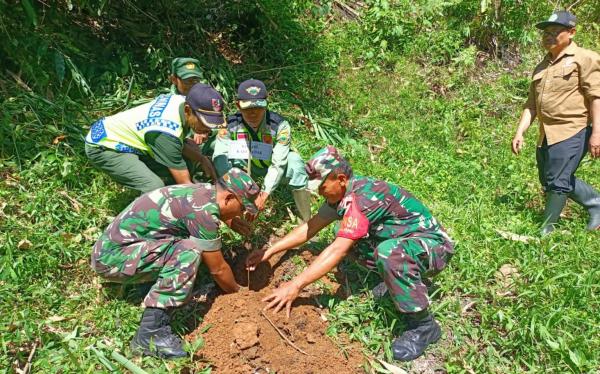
column 565, row 97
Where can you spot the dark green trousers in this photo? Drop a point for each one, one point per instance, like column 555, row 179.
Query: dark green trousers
column 140, row 173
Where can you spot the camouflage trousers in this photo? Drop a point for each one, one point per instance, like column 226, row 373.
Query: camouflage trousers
column 171, row 263
column 403, row 263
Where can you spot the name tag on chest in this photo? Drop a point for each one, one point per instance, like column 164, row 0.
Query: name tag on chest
column 260, row 151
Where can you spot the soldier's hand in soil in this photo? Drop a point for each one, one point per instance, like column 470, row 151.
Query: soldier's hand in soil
column 240, row 226
column 261, row 200
column 250, row 217
column 283, row 297
column 256, row 257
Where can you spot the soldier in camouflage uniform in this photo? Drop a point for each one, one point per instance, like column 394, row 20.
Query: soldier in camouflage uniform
column 162, row 237
column 262, row 138
column 399, row 236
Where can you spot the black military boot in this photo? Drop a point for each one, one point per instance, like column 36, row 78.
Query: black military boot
column 421, row 331
column 586, row 196
column 154, row 336
column 555, row 202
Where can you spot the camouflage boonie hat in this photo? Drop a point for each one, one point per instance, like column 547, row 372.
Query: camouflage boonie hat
column 243, row 187
column 185, row 67
column 324, row 162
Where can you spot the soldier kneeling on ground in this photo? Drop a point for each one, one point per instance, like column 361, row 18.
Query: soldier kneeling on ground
column 394, row 231
column 162, row 237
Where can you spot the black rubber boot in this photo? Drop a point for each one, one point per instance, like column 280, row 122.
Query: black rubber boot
column 555, row 202
column 586, row 196
column 421, row 331
column 154, row 336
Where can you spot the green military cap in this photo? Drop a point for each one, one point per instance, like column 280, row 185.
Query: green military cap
column 322, row 163
column 243, row 187
column 186, row 67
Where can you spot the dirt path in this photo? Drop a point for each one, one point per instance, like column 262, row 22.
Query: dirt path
column 240, row 339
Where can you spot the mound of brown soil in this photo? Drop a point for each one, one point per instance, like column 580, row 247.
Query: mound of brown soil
column 242, row 340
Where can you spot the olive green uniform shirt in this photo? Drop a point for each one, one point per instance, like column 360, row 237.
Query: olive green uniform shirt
column 561, row 92
column 167, row 150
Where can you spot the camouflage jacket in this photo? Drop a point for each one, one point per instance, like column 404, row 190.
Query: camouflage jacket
column 179, row 211
column 379, row 210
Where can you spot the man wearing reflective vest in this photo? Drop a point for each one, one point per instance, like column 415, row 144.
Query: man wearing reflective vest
column 262, row 138
column 185, row 72
column 141, row 146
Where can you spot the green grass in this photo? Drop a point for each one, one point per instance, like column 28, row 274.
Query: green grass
column 440, row 130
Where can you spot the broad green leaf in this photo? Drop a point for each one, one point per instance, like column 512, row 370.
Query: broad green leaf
column 59, row 66
column 575, row 358
column 552, row 344
column 30, row 10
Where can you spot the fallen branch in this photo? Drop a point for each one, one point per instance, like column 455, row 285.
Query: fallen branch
column 282, row 335
column 350, row 12
column 74, row 203
column 27, row 367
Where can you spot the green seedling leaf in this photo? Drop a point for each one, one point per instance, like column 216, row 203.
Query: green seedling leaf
column 575, row 358
column 552, row 344
column 193, row 347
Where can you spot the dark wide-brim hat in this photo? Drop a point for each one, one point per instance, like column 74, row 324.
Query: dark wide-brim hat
column 561, row 18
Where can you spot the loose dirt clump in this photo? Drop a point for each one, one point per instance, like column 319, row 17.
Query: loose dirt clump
column 240, row 338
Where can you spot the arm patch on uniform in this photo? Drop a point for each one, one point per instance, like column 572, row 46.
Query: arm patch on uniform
column 355, row 224
column 223, row 133
column 283, row 137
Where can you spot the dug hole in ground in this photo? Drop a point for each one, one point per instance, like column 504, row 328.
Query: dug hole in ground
column 239, row 338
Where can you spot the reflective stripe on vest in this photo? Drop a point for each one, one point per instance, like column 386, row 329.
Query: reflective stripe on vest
column 124, row 132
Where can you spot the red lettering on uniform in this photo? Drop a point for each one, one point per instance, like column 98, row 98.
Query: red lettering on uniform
column 355, row 224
